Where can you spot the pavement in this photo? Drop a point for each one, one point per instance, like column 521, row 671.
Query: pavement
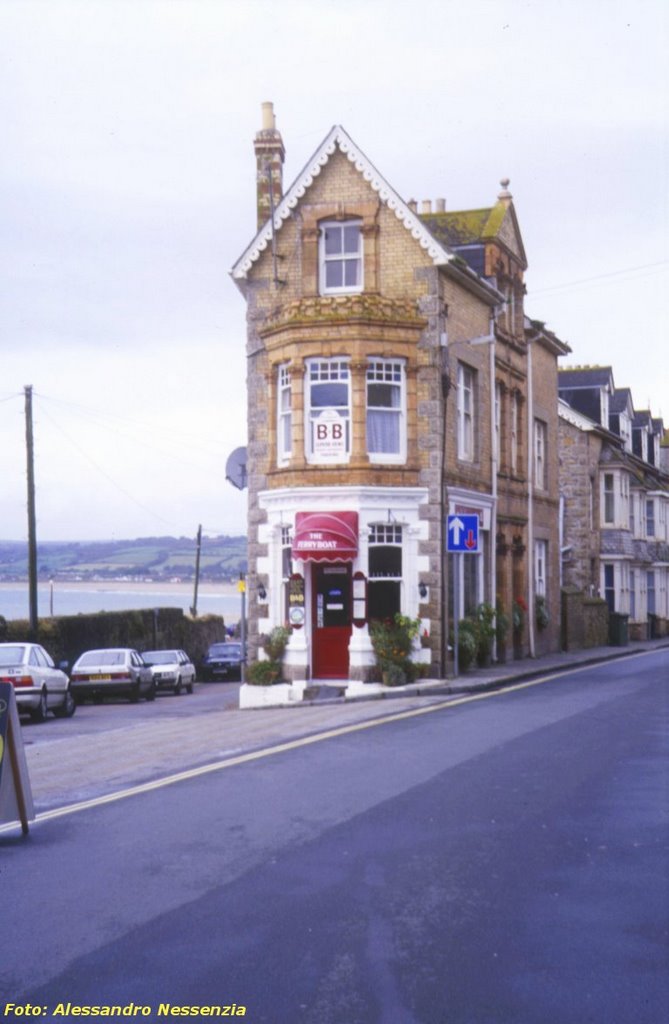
column 80, row 767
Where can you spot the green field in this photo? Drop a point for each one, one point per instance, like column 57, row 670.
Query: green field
column 159, row 558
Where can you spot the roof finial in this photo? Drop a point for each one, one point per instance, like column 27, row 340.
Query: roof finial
column 505, row 194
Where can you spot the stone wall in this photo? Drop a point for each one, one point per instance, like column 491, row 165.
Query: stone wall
column 585, row 620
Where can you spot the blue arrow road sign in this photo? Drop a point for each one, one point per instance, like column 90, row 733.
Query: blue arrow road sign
column 463, row 534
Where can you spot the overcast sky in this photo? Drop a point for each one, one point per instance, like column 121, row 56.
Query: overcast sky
column 127, row 190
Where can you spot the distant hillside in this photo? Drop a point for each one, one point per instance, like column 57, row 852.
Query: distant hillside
column 157, row 558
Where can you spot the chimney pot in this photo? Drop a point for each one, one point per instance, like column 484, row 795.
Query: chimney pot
column 426, row 206
column 413, row 205
column 268, row 119
column 440, row 205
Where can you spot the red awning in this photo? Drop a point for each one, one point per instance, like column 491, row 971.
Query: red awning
column 326, row 536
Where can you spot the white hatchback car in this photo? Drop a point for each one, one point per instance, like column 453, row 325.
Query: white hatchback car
column 39, row 686
column 171, row 670
column 112, row 672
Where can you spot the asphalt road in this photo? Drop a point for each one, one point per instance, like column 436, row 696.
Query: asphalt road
column 500, row 860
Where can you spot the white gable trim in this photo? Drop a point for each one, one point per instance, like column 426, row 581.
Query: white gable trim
column 338, row 139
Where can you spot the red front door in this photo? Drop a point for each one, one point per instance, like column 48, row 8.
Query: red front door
column 331, row 619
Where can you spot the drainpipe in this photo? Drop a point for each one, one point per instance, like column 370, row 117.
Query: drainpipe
column 530, row 499
column 489, row 338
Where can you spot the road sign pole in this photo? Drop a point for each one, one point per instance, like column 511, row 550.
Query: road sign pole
column 456, row 613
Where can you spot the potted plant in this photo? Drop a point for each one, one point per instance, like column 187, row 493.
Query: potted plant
column 485, row 632
column 541, row 612
column 502, row 623
column 518, row 618
column 393, row 640
column 467, row 644
column 269, row 670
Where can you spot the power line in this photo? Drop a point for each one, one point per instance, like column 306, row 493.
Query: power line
column 600, row 277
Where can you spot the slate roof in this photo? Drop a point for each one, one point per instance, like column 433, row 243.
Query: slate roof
column 619, row 400
column 585, row 377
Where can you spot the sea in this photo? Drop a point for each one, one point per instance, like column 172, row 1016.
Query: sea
column 75, row 598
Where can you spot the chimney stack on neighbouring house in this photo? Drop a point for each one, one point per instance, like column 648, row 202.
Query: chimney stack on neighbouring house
column 270, row 154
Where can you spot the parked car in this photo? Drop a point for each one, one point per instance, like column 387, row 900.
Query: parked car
column 112, row 672
column 39, row 686
column 171, row 670
column 222, row 661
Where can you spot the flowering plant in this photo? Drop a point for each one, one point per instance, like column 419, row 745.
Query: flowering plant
column 519, row 610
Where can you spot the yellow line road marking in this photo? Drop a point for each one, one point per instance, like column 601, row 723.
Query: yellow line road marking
column 303, row 741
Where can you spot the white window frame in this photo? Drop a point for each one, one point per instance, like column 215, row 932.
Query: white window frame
column 466, row 412
column 541, row 568
column 540, row 442
column 321, row 371
column 347, row 258
column 391, row 372
column 650, row 520
column 515, row 426
column 608, row 500
column 284, row 414
column 498, row 423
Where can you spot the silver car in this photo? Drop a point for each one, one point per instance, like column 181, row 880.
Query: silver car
column 172, row 670
column 112, row 672
column 39, row 686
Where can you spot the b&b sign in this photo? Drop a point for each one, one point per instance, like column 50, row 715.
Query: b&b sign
column 462, row 534
column 329, row 436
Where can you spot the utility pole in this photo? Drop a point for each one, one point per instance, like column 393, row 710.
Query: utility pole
column 32, row 533
column 193, row 610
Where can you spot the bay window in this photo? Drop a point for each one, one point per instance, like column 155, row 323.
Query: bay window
column 284, row 415
column 328, row 410
column 386, row 431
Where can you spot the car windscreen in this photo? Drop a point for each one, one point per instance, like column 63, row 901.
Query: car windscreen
column 229, row 650
column 11, row 656
column 160, row 657
column 102, row 658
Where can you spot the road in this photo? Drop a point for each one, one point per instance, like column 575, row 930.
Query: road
column 495, row 860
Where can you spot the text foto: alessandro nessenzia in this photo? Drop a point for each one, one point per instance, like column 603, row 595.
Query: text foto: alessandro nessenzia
column 128, row 1010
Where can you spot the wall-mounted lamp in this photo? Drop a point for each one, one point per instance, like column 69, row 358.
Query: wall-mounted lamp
column 422, row 590
column 262, row 593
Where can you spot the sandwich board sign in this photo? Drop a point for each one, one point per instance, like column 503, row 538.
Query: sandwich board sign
column 16, row 800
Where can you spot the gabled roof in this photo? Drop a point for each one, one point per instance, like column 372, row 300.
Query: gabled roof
column 459, row 228
column 621, row 400
column 642, row 418
column 585, row 377
column 338, row 139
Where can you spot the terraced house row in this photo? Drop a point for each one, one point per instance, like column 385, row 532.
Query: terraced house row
column 394, row 379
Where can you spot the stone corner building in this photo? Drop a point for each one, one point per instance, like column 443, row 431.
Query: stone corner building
column 393, row 379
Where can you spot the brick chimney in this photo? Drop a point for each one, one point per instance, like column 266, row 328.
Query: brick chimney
column 270, row 155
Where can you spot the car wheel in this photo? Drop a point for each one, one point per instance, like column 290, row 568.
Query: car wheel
column 177, row 687
column 39, row 714
column 134, row 694
column 151, row 694
column 67, row 708
column 189, row 687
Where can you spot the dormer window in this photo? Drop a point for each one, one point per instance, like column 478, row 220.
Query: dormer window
column 340, row 257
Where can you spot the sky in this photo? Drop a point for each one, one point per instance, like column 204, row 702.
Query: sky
column 127, row 192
